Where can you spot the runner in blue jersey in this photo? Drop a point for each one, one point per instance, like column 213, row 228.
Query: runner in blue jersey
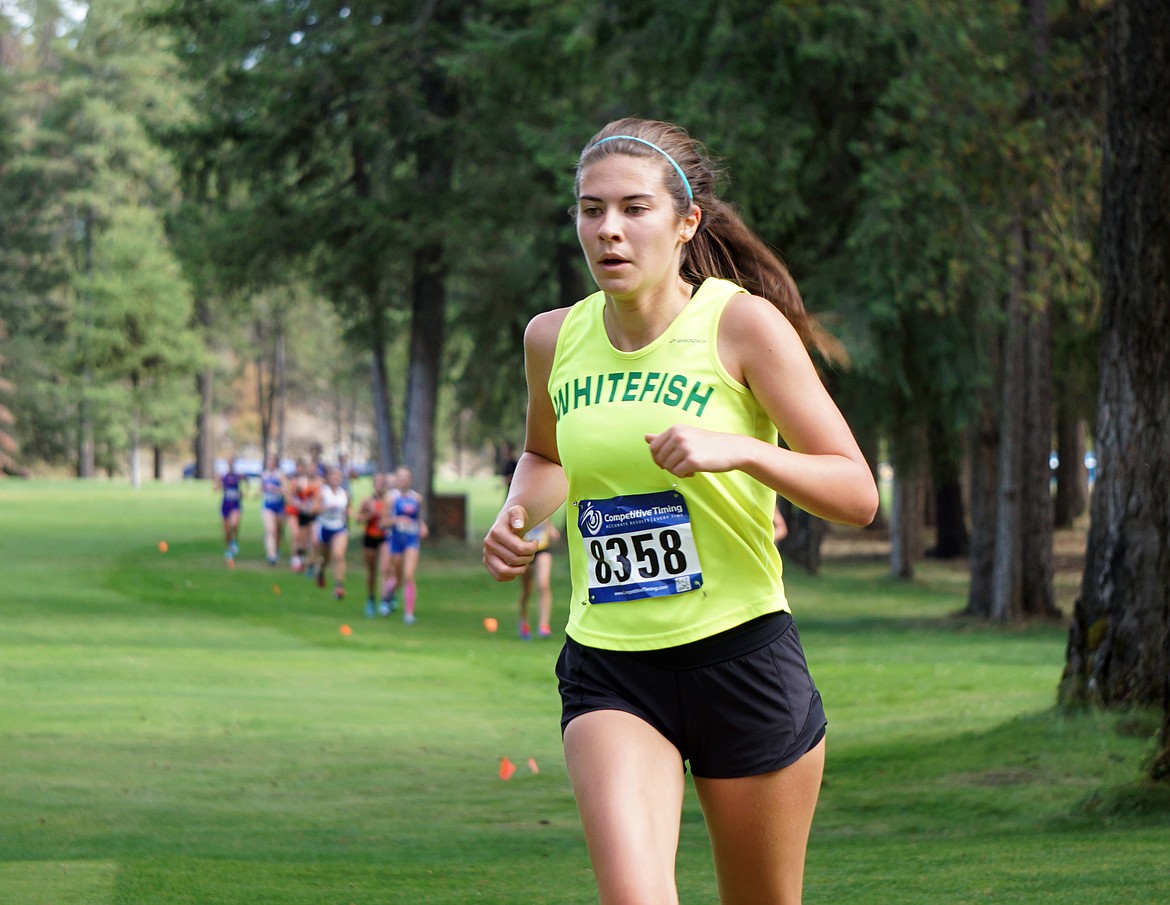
column 405, row 528
column 273, row 493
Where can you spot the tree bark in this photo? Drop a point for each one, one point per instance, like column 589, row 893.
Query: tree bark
column 388, row 452
column 806, row 534
column 86, row 442
column 265, row 395
column 946, row 482
column 427, row 328
column 204, row 444
column 86, row 447
column 281, row 388
column 984, row 479
column 1004, row 604
column 135, row 434
column 1037, row 594
column 1021, row 584
column 906, row 521
column 436, row 167
column 1118, row 643
column 1072, row 478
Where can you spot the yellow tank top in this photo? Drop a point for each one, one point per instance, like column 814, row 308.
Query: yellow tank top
column 657, row 561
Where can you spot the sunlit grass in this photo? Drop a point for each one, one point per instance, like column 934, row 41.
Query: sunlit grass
column 174, row 731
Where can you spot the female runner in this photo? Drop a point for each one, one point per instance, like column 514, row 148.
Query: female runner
column 273, row 495
column 406, row 529
column 375, row 556
column 654, row 409
column 231, row 507
column 333, row 531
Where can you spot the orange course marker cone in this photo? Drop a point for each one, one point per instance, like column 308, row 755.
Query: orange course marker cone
column 162, row 546
column 491, row 624
column 346, row 630
column 507, row 768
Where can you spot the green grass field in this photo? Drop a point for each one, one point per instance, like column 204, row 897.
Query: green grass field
column 174, row 731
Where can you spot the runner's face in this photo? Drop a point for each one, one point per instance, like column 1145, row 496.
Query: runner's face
column 627, row 226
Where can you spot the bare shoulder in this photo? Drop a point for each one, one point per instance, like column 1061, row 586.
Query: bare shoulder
column 755, row 336
column 544, row 328
column 540, row 339
column 748, row 317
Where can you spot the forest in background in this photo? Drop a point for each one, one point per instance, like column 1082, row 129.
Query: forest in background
column 256, row 208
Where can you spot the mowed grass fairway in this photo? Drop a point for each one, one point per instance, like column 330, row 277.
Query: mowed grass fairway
column 174, row 731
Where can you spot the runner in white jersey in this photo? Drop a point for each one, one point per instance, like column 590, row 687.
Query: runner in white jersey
column 333, row 524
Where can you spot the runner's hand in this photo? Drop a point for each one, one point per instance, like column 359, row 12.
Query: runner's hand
column 683, row 451
column 506, row 553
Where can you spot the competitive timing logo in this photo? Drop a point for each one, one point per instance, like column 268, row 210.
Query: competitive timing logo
column 590, row 520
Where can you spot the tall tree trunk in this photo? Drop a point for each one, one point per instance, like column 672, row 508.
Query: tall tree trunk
column 1072, row 478
column 429, row 282
column 86, row 446
column 1037, row 594
column 264, row 396
column 1005, row 603
column 157, row 453
column 204, row 419
column 86, row 442
column 281, row 388
column 135, row 434
column 1022, row 574
column 906, row 521
column 1118, row 644
column 984, row 481
column 427, row 329
column 1021, row 580
column 388, row 454
column 946, row 467
column 910, row 450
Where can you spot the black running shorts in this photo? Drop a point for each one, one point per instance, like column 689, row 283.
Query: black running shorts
column 740, row 703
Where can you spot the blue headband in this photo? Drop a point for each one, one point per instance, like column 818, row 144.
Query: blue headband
column 650, row 144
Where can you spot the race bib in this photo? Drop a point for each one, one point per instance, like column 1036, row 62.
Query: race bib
column 639, row 546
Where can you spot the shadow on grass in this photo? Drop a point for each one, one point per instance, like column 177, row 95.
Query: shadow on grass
column 1046, row 772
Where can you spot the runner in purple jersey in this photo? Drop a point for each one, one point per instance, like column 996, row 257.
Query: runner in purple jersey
column 232, row 485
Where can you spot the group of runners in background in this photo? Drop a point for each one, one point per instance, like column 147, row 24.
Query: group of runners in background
column 310, row 510
column 315, row 503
